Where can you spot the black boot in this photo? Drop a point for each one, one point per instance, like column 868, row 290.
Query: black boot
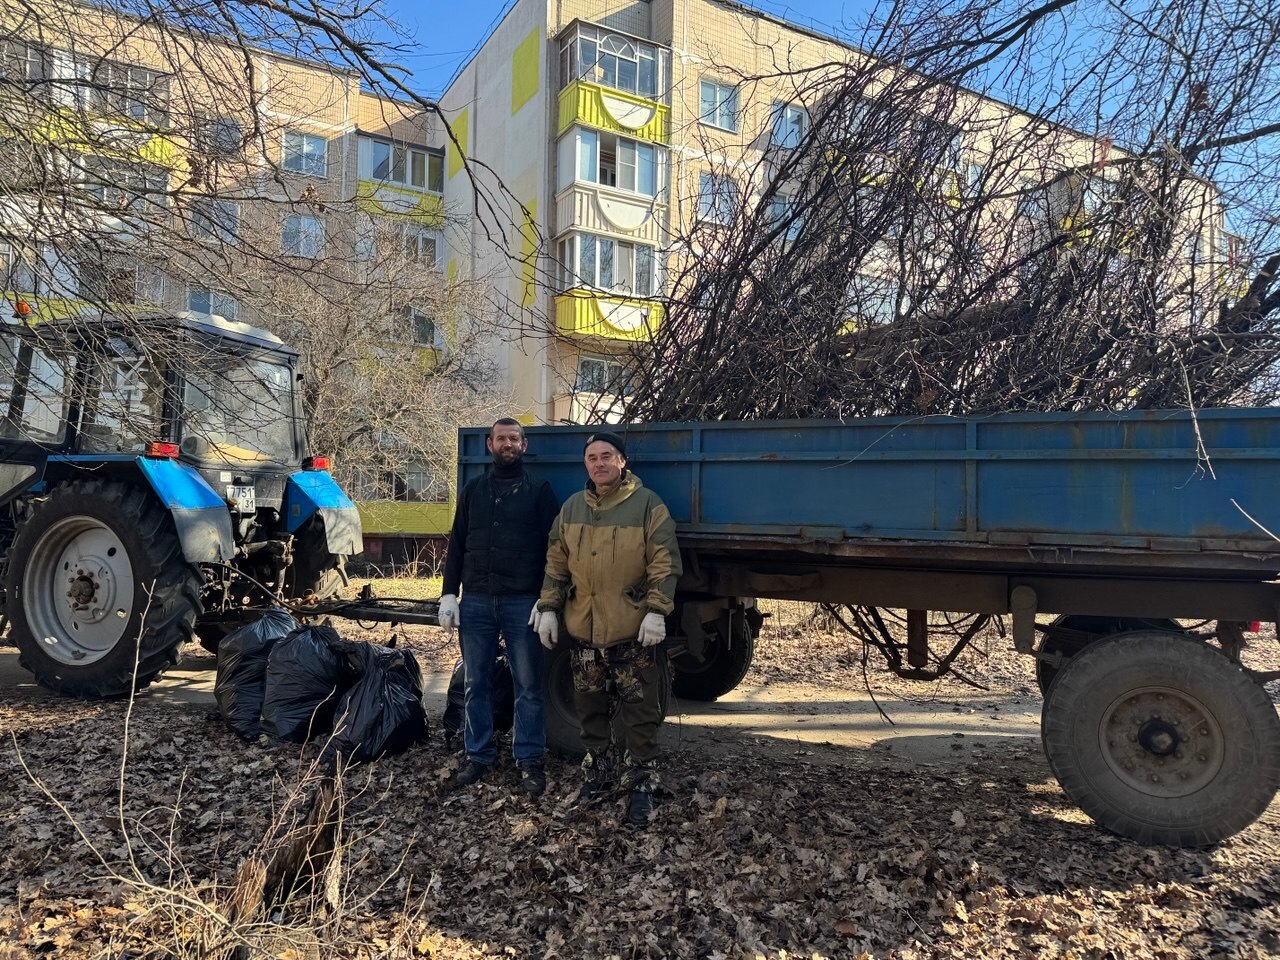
column 639, row 806
column 533, row 781
column 597, row 777
column 472, row 773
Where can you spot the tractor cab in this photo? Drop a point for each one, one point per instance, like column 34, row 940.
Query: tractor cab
column 187, row 429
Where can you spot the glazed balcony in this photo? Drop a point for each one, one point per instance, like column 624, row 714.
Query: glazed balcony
column 588, row 313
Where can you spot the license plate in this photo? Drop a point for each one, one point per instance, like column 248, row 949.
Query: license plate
column 243, row 498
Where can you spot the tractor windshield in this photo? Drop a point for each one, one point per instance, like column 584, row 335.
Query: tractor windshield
column 240, row 410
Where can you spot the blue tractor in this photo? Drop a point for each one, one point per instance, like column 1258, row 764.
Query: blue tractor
column 155, row 488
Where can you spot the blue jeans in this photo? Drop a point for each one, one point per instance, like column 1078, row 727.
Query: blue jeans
column 483, row 616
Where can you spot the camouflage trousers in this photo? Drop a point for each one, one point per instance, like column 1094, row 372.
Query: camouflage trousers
column 635, row 675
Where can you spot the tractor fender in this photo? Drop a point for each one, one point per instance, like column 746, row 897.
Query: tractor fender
column 200, row 516
column 311, row 492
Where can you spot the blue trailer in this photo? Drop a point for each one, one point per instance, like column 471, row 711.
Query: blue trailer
column 1095, row 534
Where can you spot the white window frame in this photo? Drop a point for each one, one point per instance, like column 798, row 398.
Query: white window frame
column 780, row 207
column 588, row 149
column 219, row 303
column 17, row 273
column 614, row 370
column 223, row 226
column 402, row 162
column 719, row 197
column 583, row 56
column 414, row 315
column 723, row 112
column 887, row 291
column 296, row 157
column 577, row 273
column 789, row 126
column 315, row 233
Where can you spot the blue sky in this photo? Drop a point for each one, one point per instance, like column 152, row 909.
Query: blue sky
column 445, row 34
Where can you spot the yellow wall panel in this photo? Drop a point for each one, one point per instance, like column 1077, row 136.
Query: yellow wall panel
column 524, row 70
column 461, row 131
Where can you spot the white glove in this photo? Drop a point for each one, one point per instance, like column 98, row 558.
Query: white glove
column 448, row 616
column 546, row 624
column 653, row 629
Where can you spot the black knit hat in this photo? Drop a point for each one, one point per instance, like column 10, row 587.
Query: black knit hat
column 612, row 439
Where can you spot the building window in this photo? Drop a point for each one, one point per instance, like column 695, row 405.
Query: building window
column 611, row 161
column 419, row 245
column 872, row 299
column 1231, row 250
column 602, row 375
column 426, row 331
column 16, row 274
column 789, row 125
column 205, row 300
column 305, row 153
column 20, row 62
column 718, row 198
column 302, row 236
column 219, row 136
column 126, row 188
column 215, row 220
column 1095, row 195
column 629, row 269
column 611, row 60
column 107, row 283
column 718, row 105
column 415, row 167
column 783, row 216
column 128, row 91
column 417, row 483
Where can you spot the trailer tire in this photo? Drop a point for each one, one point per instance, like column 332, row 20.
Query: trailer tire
column 1100, row 627
column 564, row 735
column 1162, row 739
column 730, row 650
column 80, row 629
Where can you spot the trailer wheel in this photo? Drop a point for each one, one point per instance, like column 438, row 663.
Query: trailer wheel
column 727, row 658
column 97, row 579
column 564, row 736
column 1162, row 739
column 1098, row 627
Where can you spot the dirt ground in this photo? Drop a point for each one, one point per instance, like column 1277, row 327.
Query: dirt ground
column 795, row 821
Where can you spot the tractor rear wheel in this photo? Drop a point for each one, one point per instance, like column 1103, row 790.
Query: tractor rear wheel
column 99, row 594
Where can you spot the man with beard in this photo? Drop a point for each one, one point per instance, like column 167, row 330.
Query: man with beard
column 497, row 548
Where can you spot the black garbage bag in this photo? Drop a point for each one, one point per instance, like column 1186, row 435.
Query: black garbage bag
column 306, row 676
column 504, row 699
column 382, row 713
column 241, row 681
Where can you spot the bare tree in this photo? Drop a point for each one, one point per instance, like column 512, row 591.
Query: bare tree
column 883, row 234
column 156, row 156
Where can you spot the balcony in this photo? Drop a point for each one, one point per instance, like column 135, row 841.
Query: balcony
column 605, row 109
column 586, row 206
column 382, row 199
column 585, row 313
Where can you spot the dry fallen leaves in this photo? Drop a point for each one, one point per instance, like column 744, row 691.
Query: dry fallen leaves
column 750, row 855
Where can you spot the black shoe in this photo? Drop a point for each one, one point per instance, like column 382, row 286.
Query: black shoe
column 639, row 806
column 532, row 780
column 472, row 773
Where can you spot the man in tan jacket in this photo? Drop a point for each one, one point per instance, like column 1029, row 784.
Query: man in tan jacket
column 612, row 567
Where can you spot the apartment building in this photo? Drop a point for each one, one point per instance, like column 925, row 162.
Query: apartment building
column 157, row 168
column 619, row 124
column 611, row 127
